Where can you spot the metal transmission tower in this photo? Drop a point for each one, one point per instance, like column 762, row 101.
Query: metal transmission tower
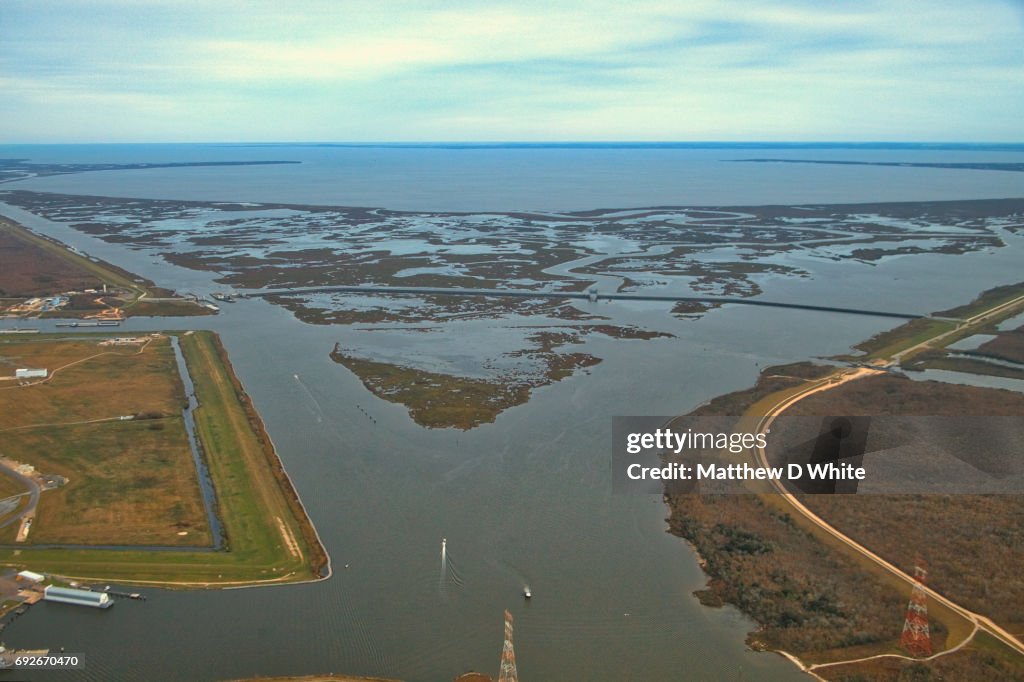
column 508, row 655
column 916, row 638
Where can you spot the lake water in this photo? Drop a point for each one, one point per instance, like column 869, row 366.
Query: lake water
column 517, row 179
column 525, row 500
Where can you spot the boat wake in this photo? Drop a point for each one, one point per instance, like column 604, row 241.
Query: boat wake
column 450, row 575
column 316, row 409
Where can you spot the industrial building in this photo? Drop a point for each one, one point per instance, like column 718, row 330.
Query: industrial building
column 26, row 373
column 31, row 576
column 70, row 595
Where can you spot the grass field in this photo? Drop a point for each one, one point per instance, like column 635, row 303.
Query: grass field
column 87, row 381
column 905, row 336
column 268, row 537
column 145, row 308
column 129, row 482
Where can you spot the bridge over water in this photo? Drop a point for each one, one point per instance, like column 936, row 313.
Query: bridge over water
column 581, row 295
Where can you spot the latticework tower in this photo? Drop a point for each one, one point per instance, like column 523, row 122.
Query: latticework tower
column 508, row 654
column 916, row 638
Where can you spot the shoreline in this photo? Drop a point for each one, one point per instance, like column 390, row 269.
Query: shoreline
column 322, row 561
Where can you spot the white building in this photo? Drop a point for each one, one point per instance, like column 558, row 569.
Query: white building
column 70, row 595
column 31, row 576
column 26, row 373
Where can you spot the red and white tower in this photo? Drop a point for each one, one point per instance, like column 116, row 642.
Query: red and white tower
column 916, row 638
column 508, row 654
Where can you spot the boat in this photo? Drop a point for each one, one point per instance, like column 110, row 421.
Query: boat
column 527, row 594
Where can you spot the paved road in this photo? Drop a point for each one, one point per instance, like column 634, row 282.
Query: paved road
column 580, row 295
column 29, row 511
column 975, row 319
column 839, row 379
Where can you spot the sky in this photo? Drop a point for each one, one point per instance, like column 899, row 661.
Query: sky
column 389, row 70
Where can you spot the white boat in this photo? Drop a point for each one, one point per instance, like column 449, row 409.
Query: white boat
column 526, row 592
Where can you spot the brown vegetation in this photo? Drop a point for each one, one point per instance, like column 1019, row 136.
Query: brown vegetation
column 129, row 482
column 27, row 269
column 974, row 543
column 816, row 601
column 973, row 662
column 806, row 597
column 1005, row 346
column 771, row 380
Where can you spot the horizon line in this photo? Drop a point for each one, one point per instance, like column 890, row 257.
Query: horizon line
column 546, row 143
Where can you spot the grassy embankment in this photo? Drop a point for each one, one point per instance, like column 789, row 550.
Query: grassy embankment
column 32, row 265
column 823, row 601
column 1005, row 346
column 889, row 343
column 269, row 538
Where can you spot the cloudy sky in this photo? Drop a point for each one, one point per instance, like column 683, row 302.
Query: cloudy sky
column 388, row 70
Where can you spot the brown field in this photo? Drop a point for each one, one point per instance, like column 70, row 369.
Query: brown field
column 820, row 603
column 1008, row 346
column 87, row 381
column 8, row 486
column 27, row 269
column 35, row 266
column 129, row 482
column 974, row 544
column 898, row 396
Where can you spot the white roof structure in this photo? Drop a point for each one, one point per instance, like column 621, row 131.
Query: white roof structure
column 70, row 595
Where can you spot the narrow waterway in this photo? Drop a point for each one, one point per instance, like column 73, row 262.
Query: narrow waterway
column 202, row 471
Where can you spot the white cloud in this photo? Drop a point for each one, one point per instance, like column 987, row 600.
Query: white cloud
column 494, row 70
